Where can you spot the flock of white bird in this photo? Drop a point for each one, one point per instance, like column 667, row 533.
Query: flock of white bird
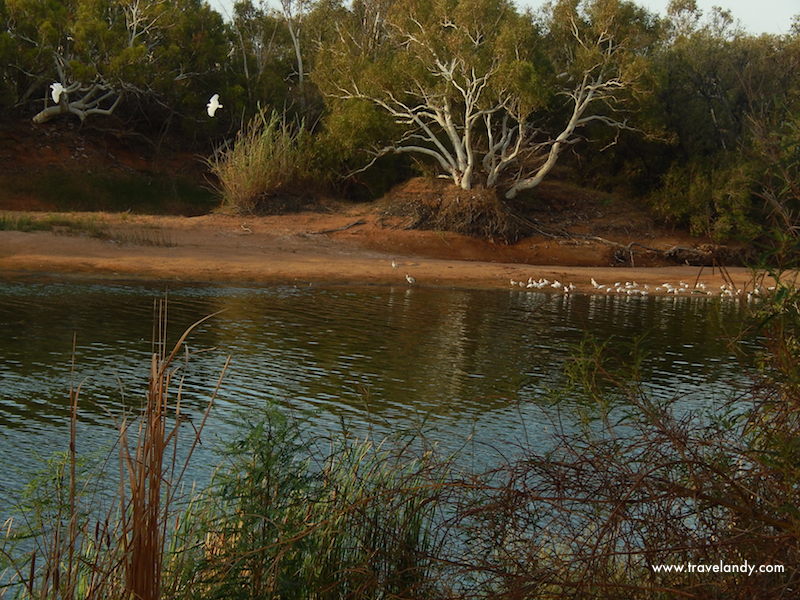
column 564, row 288
column 632, row 288
column 57, row 88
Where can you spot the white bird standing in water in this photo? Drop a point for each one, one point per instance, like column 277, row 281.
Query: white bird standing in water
column 410, row 279
column 56, row 89
column 213, row 105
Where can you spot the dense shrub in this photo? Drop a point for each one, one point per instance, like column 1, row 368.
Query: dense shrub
column 713, row 199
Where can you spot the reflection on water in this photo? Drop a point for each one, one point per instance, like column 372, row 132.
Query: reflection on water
column 463, row 363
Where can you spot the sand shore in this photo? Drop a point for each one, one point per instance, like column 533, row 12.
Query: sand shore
column 319, row 249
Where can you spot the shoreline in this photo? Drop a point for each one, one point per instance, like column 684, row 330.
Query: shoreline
column 297, row 260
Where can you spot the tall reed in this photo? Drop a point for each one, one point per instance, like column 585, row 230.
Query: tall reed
column 80, row 553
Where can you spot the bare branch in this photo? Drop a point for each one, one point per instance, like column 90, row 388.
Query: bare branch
column 90, row 103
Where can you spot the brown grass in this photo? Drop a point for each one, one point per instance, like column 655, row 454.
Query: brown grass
column 121, row 554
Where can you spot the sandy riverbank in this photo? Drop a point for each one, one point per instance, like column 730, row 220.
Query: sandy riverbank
column 336, row 248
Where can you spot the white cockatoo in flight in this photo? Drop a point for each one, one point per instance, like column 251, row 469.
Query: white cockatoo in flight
column 213, row 105
column 56, row 89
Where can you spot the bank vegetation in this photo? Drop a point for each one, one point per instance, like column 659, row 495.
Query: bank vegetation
column 686, row 111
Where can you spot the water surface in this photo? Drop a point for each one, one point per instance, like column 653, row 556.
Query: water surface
column 462, row 365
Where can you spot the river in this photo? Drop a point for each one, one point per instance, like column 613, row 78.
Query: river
column 475, row 370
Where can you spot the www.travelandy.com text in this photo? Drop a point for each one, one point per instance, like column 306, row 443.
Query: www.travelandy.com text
column 720, row 567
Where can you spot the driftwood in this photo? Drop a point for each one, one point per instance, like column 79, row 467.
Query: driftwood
column 342, row 228
column 707, row 255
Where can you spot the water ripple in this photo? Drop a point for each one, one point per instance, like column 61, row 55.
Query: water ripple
column 472, row 363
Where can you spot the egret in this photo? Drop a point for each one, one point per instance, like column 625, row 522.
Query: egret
column 410, row 279
column 56, row 89
column 394, row 264
column 213, row 105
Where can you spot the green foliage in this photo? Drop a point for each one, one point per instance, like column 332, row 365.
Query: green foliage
column 778, row 148
column 352, row 128
column 286, row 520
column 722, row 94
column 163, row 57
column 714, row 109
column 270, row 160
column 712, row 199
column 392, row 56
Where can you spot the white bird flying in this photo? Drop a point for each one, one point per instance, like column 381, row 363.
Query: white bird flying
column 56, row 89
column 213, row 105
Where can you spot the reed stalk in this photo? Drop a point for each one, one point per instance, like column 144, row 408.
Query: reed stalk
column 122, row 554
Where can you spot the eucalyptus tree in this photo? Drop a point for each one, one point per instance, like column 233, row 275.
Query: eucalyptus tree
column 601, row 51
column 264, row 53
column 7, row 52
column 472, row 84
column 100, row 50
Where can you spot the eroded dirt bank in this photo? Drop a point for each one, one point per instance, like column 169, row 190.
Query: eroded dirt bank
column 347, row 247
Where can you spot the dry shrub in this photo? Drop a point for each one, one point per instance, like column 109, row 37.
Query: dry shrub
column 650, row 482
column 438, row 205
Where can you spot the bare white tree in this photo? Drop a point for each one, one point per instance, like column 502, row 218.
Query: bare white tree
column 598, row 88
column 438, row 126
column 293, row 12
column 141, row 18
column 478, row 130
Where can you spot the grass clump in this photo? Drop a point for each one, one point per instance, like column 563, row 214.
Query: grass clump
column 283, row 520
column 269, row 168
column 87, row 226
column 65, row 224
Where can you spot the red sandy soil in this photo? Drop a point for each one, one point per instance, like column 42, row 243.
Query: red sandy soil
column 296, row 249
column 344, row 244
